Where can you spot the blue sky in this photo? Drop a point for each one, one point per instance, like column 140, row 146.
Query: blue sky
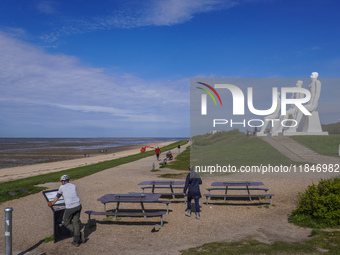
column 115, row 68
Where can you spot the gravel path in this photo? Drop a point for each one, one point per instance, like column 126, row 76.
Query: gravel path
column 234, row 221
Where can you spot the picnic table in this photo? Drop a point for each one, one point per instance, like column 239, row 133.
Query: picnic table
column 170, row 185
column 238, row 185
column 131, row 198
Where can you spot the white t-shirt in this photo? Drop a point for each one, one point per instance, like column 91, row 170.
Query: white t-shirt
column 69, row 192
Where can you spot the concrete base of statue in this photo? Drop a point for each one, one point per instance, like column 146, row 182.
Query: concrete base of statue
column 304, row 133
column 262, row 134
column 311, row 126
column 312, row 123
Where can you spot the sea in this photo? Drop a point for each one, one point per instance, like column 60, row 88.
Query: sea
column 28, row 151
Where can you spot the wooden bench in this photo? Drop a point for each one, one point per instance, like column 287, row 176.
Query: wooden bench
column 160, row 187
column 239, row 196
column 264, row 189
column 164, row 202
column 162, row 184
column 155, row 202
column 130, row 214
column 169, row 194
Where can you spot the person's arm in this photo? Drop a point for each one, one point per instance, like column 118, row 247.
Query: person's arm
column 186, row 184
column 55, row 199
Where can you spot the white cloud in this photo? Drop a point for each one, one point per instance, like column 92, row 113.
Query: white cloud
column 143, row 13
column 165, row 13
column 47, row 6
column 60, row 88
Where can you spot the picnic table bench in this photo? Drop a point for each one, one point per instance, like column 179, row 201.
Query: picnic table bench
column 170, row 185
column 242, row 185
column 130, row 214
column 131, row 198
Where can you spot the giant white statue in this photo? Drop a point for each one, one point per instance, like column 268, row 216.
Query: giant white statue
column 291, row 113
column 311, row 124
column 274, row 115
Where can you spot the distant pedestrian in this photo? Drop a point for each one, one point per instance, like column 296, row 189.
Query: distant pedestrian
column 255, row 131
column 247, row 133
column 157, row 151
column 85, row 155
column 71, row 218
column 179, row 148
column 192, row 183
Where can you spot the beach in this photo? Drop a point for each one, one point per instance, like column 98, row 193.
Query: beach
column 74, row 159
column 226, row 222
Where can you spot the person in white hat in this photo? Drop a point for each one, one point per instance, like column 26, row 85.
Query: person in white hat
column 71, row 218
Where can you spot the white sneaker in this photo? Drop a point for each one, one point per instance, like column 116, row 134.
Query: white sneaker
column 82, row 236
column 198, row 215
column 188, row 213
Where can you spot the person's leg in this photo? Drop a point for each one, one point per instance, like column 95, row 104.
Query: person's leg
column 188, row 210
column 67, row 219
column 72, row 222
column 197, row 205
column 76, row 224
column 189, row 204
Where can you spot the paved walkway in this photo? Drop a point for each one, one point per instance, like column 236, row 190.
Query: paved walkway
column 296, row 151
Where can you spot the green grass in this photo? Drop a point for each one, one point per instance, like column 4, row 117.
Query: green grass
column 173, row 176
column 75, row 173
column 322, row 242
column 323, row 144
column 182, row 161
column 48, row 239
column 234, row 148
column 307, row 221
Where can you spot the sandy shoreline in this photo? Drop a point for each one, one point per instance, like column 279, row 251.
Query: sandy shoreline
column 13, row 173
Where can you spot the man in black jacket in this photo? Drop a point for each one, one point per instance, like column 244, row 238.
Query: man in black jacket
column 192, row 183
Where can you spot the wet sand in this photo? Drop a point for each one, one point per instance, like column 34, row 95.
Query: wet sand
column 16, row 152
column 71, row 160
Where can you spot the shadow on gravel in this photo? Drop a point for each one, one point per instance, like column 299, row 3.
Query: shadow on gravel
column 89, row 228
column 32, row 248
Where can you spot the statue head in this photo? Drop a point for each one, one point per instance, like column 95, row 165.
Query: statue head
column 314, row 75
column 299, row 83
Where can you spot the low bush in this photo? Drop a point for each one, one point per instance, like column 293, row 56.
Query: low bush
column 319, row 205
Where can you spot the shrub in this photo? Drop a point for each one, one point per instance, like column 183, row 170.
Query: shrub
column 319, row 205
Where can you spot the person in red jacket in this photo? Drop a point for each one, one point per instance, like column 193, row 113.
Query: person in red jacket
column 158, row 151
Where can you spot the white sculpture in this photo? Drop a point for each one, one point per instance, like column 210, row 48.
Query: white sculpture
column 311, row 124
column 271, row 117
column 315, row 90
column 292, row 112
